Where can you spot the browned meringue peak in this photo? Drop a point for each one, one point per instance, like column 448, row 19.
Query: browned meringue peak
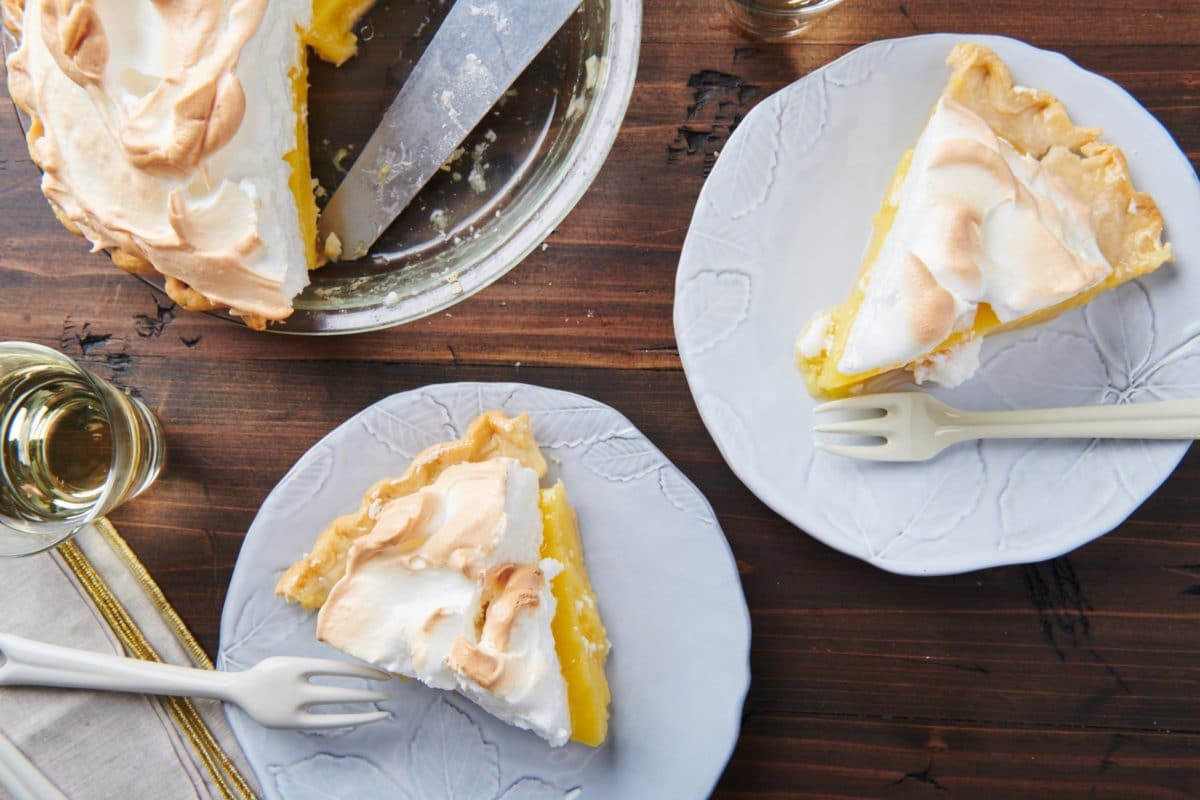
column 1076, row 185
column 930, row 307
column 491, row 435
column 449, row 587
column 507, row 591
column 451, row 525
column 1128, row 223
column 976, row 223
column 195, row 108
column 161, row 127
column 466, row 534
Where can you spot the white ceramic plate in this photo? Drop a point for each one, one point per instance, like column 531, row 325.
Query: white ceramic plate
column 778, row 233
column 668, row 589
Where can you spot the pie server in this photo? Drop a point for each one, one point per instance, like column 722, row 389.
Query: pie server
column 475, row 56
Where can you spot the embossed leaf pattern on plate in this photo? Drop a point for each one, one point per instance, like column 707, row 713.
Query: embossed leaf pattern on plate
column 713, row 305
column 448, row 757
column 466, row 401
column 856, row 513
column 721, row 246
column 858, row 65
column 324, row 776
column 1077, row 376
column 1124, row 326
column 564, row 420
column 804, row 114
column 623, row 458
column 899, row 508
column 407, row 428
column 304, row 481
column 1121, row 324
column 1112, row 362
column 1057, row 468
column 533, row 789
column 754, row 154
column 683, row 495
column 263, row 623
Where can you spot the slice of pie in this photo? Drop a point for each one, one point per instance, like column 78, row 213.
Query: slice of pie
column 174, row 135
column 462, row 573
column 1004, row 214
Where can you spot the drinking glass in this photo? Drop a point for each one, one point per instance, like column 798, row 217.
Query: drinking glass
column 777, row 19
column 72, row 447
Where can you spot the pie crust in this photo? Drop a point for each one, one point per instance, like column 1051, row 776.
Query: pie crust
column 1127, row 222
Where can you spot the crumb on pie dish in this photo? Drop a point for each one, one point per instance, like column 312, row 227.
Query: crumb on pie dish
column 175, row 136
column 466, row 575
column 1003, row 214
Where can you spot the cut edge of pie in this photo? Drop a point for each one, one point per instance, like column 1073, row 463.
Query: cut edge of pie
column 1128, row 224
column 579, row 635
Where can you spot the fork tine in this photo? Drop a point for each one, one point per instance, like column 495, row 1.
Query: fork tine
column 862, row 427
column 315, row 722
column 340, row 669
column 325, row 695
column 866, row 402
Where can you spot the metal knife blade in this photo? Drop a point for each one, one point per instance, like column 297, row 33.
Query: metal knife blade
column 478, row 52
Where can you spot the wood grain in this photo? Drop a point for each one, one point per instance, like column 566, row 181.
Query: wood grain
column 1075, row 678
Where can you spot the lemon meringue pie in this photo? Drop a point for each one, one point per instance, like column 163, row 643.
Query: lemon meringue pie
column 174, row 135
column 466, row 575
column 1004, row 214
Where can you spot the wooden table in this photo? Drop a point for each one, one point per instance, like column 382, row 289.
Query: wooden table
column 1079, row 677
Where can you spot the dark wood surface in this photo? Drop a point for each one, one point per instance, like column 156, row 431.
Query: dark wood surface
column 1075, row 678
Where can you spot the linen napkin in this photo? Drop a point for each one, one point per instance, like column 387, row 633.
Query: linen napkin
column 92, row 593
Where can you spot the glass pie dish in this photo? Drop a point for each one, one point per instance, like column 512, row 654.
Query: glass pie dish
column 514, row 179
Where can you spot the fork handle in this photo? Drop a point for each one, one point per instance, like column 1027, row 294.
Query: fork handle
column 29, row 663
column 20, row 778
column 1167, row 419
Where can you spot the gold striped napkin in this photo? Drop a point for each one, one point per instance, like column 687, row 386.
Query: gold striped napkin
column 94, row 594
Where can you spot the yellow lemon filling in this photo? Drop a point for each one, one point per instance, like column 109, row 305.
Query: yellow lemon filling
column 300, row 180
column 580, row 640
column 329, row 32
column 329, row 35
column 579, row 636
column 1127, row 223
column 821, row 373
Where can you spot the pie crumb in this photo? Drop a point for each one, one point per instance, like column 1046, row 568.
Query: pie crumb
column 333, row 247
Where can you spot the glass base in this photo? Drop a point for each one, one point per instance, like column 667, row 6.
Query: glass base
column 16, row 544
column 774, row 21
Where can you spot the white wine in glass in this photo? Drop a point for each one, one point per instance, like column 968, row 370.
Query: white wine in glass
column 72, row 447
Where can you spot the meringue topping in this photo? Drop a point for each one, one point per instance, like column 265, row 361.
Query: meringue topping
column 978, row 223
column 449, row 587
column 161, row 128
column 507, row 591
column 1004, row 214
column 491, row 435
column 949, row 367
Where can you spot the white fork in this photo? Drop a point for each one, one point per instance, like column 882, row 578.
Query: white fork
column 20, row 778
column 276, row 692
column 915, row 427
